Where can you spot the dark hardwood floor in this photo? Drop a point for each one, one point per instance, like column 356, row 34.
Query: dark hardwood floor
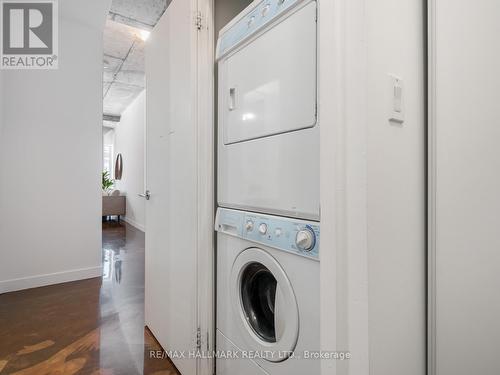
column 93, row 326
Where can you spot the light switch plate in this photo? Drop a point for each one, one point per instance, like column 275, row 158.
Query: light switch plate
column 396, row 101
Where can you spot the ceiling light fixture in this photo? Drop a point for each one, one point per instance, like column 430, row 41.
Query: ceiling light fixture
column 144, row 34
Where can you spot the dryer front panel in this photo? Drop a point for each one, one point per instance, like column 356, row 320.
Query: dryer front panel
column 268, row 86
column 268, row 144
column 276, row 175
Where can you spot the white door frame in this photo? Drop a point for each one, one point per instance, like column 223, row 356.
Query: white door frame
column 431, row 188
column 206, row 184
column 329, row 111
column 343, row 175
column 343, row 171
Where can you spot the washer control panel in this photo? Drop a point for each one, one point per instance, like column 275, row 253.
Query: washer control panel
column 254, row 20
column 292, row 235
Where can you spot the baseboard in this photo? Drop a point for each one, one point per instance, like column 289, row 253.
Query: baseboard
column 49, row 279
column 134, row 224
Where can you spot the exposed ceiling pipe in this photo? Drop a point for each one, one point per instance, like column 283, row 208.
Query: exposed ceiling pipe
column 129, row 21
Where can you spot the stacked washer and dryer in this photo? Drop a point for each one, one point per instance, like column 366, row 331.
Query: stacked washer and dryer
column 268, row 240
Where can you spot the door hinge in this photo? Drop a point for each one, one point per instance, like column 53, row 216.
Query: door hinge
column 198, row 338
column 199, row 20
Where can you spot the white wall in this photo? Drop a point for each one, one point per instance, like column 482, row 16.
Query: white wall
column 129, row 141
column 108, row 136
column 465, row 98
column 1, row 105
column 225, row 11
column 50, row 159
column 372, row 187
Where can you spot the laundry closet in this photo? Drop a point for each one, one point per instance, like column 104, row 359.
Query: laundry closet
column 243, row 255
column 269, row 128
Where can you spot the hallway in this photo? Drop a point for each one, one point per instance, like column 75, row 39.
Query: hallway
column 94, row 326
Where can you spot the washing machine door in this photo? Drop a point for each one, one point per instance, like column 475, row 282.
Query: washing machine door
column 265, row 305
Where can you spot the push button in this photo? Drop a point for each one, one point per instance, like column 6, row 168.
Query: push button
column 251, row 20
column 265, row 10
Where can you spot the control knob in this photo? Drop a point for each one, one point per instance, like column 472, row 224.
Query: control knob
column 249, row 225
column 263, row 228
column 305, row 239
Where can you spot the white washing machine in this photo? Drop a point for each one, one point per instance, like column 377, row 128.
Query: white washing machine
column 268, row 142
column 267, row 294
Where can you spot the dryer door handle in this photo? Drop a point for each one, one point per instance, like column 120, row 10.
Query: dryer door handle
column 232, row 98
column 279, row 314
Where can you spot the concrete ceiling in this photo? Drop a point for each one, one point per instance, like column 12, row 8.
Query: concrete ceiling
column 123, row 77
column 143, row 14
column 127, row 24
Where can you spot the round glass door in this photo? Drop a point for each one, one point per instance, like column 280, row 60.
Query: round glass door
column 262, row 296
column 258, row 293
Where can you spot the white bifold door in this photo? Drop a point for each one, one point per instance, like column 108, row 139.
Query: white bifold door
column 172, row 181
column 464, row 257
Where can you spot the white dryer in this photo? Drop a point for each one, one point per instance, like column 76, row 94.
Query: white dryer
column 268, row 142
column 267, row 294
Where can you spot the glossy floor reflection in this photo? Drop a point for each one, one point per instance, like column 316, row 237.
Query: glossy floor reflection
column 93, row 326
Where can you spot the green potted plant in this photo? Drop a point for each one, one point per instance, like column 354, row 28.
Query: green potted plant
column 107, row 182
